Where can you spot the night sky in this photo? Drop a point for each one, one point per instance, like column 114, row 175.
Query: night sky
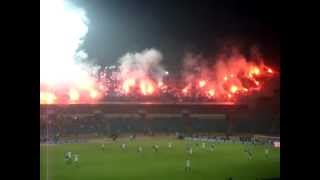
column 117, row 27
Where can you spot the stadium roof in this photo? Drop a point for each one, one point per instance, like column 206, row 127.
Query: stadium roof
column 131, row 107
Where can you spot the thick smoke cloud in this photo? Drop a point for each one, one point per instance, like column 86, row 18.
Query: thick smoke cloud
column 142, row 65
column 233, row 72
column 64, row 77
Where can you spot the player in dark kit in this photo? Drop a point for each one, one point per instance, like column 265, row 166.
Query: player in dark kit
column 132, row 137
column 212, row 147
column 114, row 137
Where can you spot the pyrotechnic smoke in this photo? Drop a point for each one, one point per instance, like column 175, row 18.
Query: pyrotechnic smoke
column 143, row 68
column 65, row 78
column 142, row 65
column 62, row 29
column 233, row 74
column 194, row 66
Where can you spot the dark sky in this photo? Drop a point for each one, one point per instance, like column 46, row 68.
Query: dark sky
column 118, row 26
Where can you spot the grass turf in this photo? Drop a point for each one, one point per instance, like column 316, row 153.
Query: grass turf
column 227, row 160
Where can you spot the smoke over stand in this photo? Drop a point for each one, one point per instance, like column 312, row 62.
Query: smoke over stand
column 63, row 78
column 66, row 79
column 141, row 70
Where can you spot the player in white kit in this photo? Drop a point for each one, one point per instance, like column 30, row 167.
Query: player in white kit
column 266, row 152
column 169, row 145
column 123, row 146
column 76, row 159
column 102, row 146
column 188, row 165
column 68, row 157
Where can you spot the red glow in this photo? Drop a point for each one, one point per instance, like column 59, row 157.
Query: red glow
column 226, row 82
column 160, row 84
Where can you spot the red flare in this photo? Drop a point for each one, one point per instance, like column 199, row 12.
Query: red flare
column 233, row 89
column 211, row 92
column 127, row 84
column 93, row 94
column 47, row 98
column 146, row 88
column 202, row 83
column 74, row 95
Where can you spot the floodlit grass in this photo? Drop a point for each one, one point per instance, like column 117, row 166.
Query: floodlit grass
column 227, row 160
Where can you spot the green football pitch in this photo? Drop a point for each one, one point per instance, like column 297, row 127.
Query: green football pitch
column 226, row 160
